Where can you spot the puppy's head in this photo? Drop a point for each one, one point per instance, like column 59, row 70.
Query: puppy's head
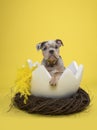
column 50, row 49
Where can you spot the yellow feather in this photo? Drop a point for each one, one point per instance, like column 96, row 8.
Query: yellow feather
column 23, row 79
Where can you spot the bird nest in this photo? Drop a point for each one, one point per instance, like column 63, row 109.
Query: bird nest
column 53, row 106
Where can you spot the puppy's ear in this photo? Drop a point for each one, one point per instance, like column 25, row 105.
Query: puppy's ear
column 59, row 42
column 40, row 45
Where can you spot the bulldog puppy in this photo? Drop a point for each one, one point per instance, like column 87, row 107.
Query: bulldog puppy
column 52, row 59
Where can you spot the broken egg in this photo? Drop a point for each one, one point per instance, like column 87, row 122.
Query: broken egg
column 68, row 83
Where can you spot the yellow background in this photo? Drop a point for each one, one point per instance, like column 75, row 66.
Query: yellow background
column 23, row 24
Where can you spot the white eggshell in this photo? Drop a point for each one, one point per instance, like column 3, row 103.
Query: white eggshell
column 68, row 83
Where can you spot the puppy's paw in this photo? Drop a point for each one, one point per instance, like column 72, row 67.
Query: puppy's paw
column 53, row 82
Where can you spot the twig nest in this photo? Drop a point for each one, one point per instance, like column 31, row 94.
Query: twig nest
column 53, row 106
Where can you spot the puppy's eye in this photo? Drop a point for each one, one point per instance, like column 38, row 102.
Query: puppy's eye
column 56, row 47
column 44, row 48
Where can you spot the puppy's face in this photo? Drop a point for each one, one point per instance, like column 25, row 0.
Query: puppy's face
column 50, row 49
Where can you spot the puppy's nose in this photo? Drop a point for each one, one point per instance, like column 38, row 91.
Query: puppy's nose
column 51, row 51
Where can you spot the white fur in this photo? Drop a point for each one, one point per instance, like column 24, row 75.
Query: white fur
column 51, row 42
